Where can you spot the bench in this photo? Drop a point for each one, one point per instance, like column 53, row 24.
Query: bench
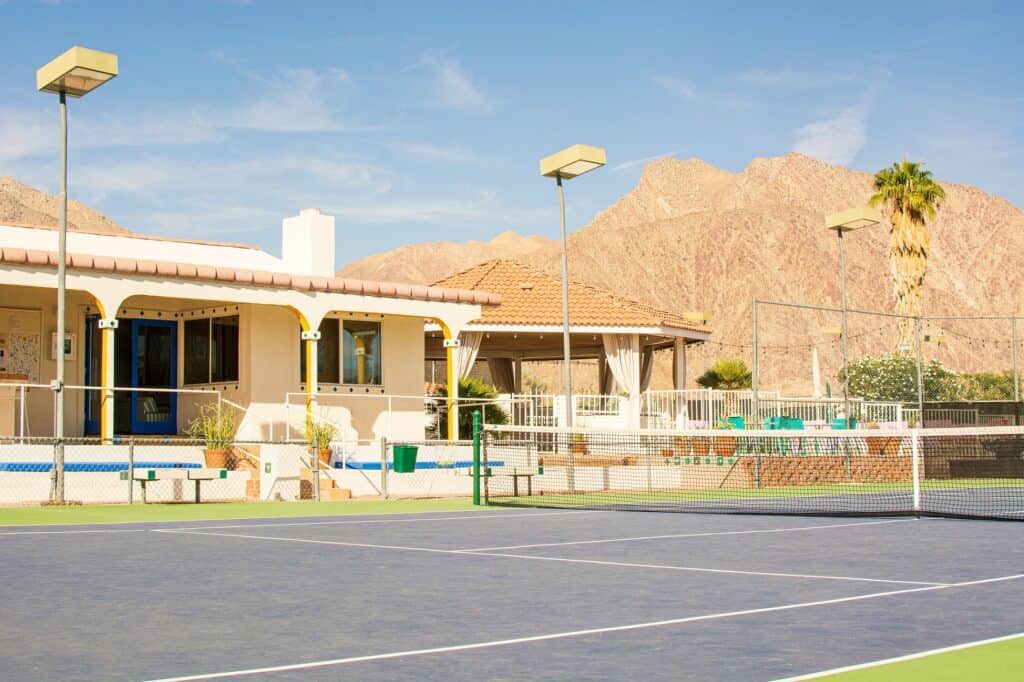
column 144, row 476
column 515, row 474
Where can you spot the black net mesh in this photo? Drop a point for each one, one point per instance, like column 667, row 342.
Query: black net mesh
column 948, row 472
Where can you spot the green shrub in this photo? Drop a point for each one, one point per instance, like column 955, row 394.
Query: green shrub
column 471, row 388
column 726, row 373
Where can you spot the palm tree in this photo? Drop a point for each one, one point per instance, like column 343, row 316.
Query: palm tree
column 912, row 197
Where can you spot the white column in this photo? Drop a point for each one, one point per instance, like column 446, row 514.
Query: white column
column 679, row 364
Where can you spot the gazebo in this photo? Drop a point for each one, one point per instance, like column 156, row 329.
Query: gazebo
column 620, row 333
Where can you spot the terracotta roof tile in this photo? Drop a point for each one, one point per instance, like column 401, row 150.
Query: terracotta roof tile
column 76, row 261
column 530, row 296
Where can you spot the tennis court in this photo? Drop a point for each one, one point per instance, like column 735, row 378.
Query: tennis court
column 500, row 594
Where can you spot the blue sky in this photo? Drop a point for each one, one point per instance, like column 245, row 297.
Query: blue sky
column 425, row 121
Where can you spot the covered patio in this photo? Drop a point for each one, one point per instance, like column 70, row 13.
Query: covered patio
column 621, row 334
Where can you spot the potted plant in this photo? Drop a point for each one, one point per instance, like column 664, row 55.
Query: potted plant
column 725, row 446
column 680, row 446
column 322, row 432
column 216, row 428
column 579, row 444
column 882, row 446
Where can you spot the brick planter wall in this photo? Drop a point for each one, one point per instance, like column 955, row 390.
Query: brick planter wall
column 816, row 470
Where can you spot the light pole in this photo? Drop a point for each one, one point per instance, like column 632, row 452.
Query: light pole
column 75, row 73
column 566, row 164
column 848, row 221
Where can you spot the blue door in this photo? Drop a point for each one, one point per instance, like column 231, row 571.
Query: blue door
column 154, row 353
column 93, row 371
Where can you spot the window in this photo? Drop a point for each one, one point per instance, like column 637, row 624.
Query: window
column 211, row 350
column 361, row 352
column 354, row 354
column 326, row 354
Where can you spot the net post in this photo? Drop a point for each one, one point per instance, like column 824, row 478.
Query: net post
column 476, row 457
column 384, row 467
column 915, row 468
column 131, row 469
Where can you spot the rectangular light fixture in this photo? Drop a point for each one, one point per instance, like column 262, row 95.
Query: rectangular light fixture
column 574, row 161
column 77, row 72
column 853, row 219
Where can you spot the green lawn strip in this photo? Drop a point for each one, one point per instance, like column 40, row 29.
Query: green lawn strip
column 120, row 513
column 982, row 663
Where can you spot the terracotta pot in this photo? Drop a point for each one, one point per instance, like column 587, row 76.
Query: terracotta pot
column 325, row 456
column 579, row 448
column 725, row 446
column 681, row 447
column 216, row 459
column 701, row 446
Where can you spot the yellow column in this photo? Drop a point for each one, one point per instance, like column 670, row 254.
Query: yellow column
column 312, row 374
column 451, row 358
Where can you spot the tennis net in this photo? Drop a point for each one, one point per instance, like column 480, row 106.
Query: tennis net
column 970, row 472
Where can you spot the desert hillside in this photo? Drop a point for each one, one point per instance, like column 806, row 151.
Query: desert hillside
column 425, row 263
column 24, row 205
column 691, row 237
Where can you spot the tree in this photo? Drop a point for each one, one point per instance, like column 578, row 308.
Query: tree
column 893, row 378
column 912, row 197
column 470, row 389
column 726, row 373
column 988, row 386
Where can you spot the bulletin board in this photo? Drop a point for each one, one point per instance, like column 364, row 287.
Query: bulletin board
column 20, row 342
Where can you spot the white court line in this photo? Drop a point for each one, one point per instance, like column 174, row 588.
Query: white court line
column 697, row 569
column 262, row 518
column 531, row 557
column 569, row 634
column 898, row 659
column 74, row 532
column 683, row 535
column 474, row 517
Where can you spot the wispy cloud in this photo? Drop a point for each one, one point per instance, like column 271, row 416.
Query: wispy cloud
column 788, row 77
column 684, row 89
column 482, row 208
column 836, row 140
column 626, row 165
column 451, row 85
column 295, row 100
column 449, row 154
column 678, row 87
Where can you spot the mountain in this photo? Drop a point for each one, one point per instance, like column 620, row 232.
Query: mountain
column 425, row 263
column 692, row 237
column 24, row 205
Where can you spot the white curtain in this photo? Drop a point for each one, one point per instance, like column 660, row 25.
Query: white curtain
column 623, row 353
column 467, row 351
column 503, row 374
column 646, row 367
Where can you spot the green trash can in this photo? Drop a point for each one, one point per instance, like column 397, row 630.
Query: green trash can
column 405, row 458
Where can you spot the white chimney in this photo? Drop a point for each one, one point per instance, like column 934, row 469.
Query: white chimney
column 307, row 243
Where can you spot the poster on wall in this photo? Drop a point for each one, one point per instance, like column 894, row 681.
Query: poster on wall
column 70, row 347
column 19, row 342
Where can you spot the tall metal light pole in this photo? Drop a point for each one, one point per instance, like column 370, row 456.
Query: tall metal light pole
column 77, row 72
column 848, row 221
column 566, row 164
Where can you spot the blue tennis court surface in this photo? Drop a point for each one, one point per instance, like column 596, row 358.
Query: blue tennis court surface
column 500, row 594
